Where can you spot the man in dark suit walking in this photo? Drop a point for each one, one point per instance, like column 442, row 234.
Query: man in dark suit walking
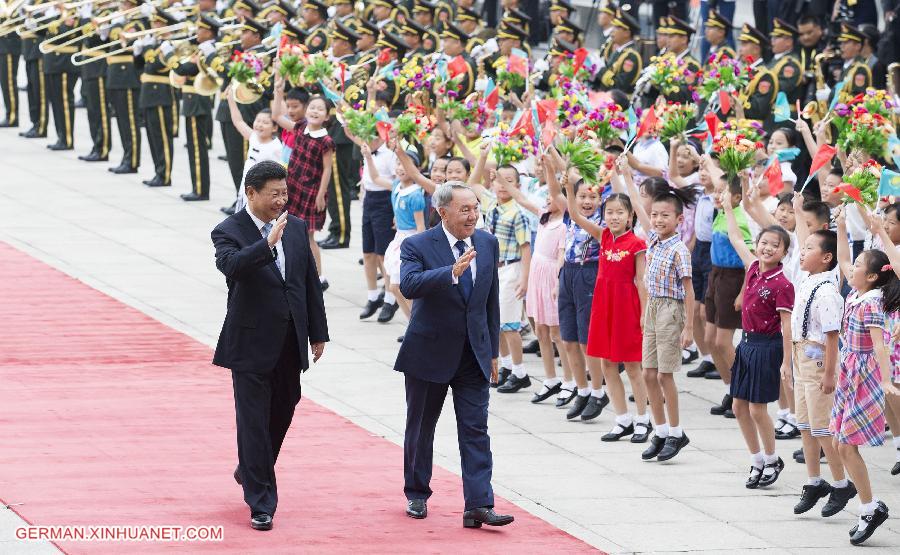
column 275, row 307
column 450, row 272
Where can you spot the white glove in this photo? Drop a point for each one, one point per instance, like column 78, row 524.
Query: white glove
column 147, row 10
column 30, row 24
column 86, row 11
column 207, row 47
column 222, row 5
column 331, row 11
column 476, row 52
column 490, row 46
column 166, row 47
column 541, row 66
column 120, row 20
column 480, row 84
column 823, row 94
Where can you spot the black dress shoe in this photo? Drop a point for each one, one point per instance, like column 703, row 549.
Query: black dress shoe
column 332, row 242
column 514, row 383
column 798, row 456
column 124, row 168
column 563, row 401
column 159, row 183
column 577, row 407
column 387, row 312
column 531, row 347
column 872, row 521
column 753, row 480
column 788, row 431
column 729, row 414
column 719, row 410
column 60, row 145
column 222, row 157
column 701, row 370
column 370, row 309
column 617, row 435
column 673, row 446
column 94, row 157
column 895, row 469
column 416, row 508
column 325, row 285
column 502, row 375
column 656, row 445
column 543, row 395
column 641, row 432
column 33, row 134
column 474, row 518
column 261, row 521
column 811, row 495
column 190, row 197
column 712, row 375
column 838, row 499
column 594, row 407
column 692, row 356
column 237, row 475
column 5, row 123
column 770, row 478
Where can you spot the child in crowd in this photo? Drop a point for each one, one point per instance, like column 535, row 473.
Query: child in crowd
column 614, row 334
column 263, row 144
column 667, row 325
column 309, row 172
column 288, row 108
column 857, row 417
column 781, row 143
column 766, row 344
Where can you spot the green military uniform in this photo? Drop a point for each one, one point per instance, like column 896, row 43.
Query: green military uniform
column 786, row 67
column 394, row 43
column 465, row 80
column 317, row 39
column 477, row 36
column 36, row 87
column 123, row 85
column 856, row 73
column 10, row 51
column 719, row 51
column 61, row 76
column 623, row 63
column 759, row 96
column 677, row 26
column 93, row 91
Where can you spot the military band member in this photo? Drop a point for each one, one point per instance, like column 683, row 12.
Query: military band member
column 454, row 42
column 716, row 31
column 344, row 13
column 197, row 108
column 784, row 65
column 279, row 12
column 315, row 15
column 568, row 31
column 562, row 9
column 854, row 72
column 345, row 164
column 156, row 100
column 517, row 17
column 61, row 76
column 395, row 49
column 93, row 92
column 36, row 84
column 10, row 51
column 876, row 66
column 470, row 23
column 123, row 87
column 509, row 37
column 812, row 41
column 678, row 40
column 424, row 15
column 605, row 16
column 382, row 15
column 244, row 10
column 414, row 36
column 759, row 96
column 623, row 63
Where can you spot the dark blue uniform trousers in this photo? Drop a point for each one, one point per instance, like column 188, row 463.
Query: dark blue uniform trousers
column 424, row 400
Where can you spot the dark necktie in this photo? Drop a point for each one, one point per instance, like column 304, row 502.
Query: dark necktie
column 465, row 280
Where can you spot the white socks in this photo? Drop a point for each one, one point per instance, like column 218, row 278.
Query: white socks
column 389, row 298
column 567, row 388
column 584, row 391
column 770, row 459
column 662, row 431
column 757, row 460
column 814, row 481
column 372, row 295
column 839, row 484
column 707, row 358
column 676, row 431
column 518, row 370
column 598, row 393
column 506, row 361
column 549, row 384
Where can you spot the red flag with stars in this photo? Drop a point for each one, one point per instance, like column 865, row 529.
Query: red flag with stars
column 384, row 130
column 773, row 176
column 850, row 191
column 457, row 66
column 650, row 121
column 580, row 56
column 725, row 102
column 546, row 109
column 517, row 64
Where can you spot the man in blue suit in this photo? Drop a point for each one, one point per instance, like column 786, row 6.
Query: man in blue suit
column 450, row 272
column 275, row 309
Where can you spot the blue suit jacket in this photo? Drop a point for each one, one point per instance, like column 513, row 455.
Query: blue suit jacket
column 441, row 319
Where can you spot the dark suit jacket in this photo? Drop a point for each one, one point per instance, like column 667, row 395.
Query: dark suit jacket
column 260, row 303
column 441, row 320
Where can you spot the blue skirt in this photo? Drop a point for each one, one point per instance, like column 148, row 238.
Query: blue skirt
column 756, row 373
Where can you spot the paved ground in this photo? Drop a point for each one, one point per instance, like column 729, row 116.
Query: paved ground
column 152, row 251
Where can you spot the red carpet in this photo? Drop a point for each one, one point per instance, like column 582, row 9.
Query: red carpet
column 108, row 417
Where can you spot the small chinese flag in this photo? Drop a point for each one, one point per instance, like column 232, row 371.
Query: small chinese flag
column 850, row 191
column 457, row 66
column 384, row 130
column 517, row 64
column 773, row 176
column 546, row 109
column 580, row 56
column 725, row 102
column 649, row 122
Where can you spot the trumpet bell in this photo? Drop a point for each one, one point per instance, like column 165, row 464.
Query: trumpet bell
column 247, row 93
column 811, row 111
column 176, row 81
column 205, row 85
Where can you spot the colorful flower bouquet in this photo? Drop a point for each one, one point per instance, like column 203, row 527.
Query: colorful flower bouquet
column 291, row 62
column 510, row 81
column 724, row 74
column 585, row 157
column 668, row 74
column 567, row 69
column 414, row 124
column 736, row 148
column 415, row 76
column 674, row 119
column 362, row 124
column 606, row 122
column 512, row 147
column 245, row 67
column 864, row 123
column 464, row 111
column 317, row 67
column 862, row 185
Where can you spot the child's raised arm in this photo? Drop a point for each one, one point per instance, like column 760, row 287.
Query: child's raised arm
column 236, row 118
column 674, row 178
column 477, row 177
column 633, row 193
column 755, row 209
column 800, row 228
column 411, row 170
column 876, row 226
column 376, row 178
column 552, row 163
column 734, row 232
column 595, row 230
column 844, row 254
column 278, row 112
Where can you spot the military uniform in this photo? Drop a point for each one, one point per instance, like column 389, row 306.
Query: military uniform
column 123, row 85
column 317, row 38
column 786, row 67
column 61, row 76
column 36, row 87
column 623, row 64
column 397, row 45
column 93, row 91
column 10, row 51
column 465, row 80
column 719, row 51
column 759, row 96
column 856, row 73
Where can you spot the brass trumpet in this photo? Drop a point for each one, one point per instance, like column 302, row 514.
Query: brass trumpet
column 83, row 30
column 99, row 52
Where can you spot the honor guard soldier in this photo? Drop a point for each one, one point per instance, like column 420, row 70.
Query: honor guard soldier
column 243, row 10
column 560, row 51
column 36, row 84
column 61, row 76
column 424, row 16
column 759, row 96
column 156, row 101
column 518, row 18
column 346, row 165
column 562, row 9
column 395, row 49
column 279, row 12
column 344, row 14
column 568, row 31
column 855, row 74
column 509, row 37
column 623, row 63
column 382, row 15
column 678, row 40
column 605, row 16
column 315, row 14
column 813, row 41
column 784, row 65
column 662, row 36
column 414, row 37
column 363, row 69
column 10, row 50
column 454, row 42
column 196, row 108
column 716, row 31
column 93, row 92
column 235, row 145
column 470, row 23
column 123, row 86
column 207, row 7
column 876, row 66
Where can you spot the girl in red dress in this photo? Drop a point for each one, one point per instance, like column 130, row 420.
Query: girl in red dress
column 309, row 172
column 614, row 334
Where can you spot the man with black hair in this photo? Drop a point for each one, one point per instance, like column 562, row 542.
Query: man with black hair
column 275, row 308
column 623, row 62
column 869, row 48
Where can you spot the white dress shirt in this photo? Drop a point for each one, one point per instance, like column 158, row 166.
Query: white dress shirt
column 385, row 161
column 279, row 247
column 452, row 241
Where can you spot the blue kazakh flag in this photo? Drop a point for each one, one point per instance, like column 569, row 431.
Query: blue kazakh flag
column 787, row 154
column 837, row 93
column 382, row 115
column 782, row 109
column 276, row 31
column 388, row 71
column 329, row 94
column 889, row 186
column 894, row 149
column 633, row 123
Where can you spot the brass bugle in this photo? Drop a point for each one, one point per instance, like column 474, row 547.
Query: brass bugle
column 157, row 30
column 96, row 53
column 82, row 30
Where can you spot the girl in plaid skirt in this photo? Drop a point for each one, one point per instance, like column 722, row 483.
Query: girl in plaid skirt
column 857, row 417
column 309, row 171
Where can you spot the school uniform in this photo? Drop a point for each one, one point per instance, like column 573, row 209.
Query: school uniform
column 378, row 215
column 576, row 280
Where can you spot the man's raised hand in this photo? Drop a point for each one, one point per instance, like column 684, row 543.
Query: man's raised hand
column 463, row 263
column 277, row 229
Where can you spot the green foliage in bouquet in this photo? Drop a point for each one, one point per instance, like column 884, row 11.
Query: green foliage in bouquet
column 675, row 119
column 318, row 68
column 510, row 81
column 406, row 127
column 361, row 124
column 584, row 157
column 865, row 180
